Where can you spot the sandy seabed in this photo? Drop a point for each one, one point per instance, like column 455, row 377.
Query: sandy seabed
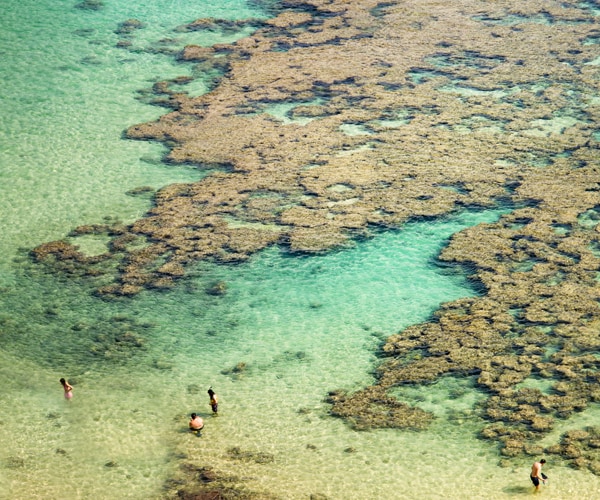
column 332, row 123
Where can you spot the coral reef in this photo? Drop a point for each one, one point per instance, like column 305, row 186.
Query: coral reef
column 429, row 143
column 368, row 409
column 581, row 448
column 399, row 111
column 116, row 339
column 205, row 483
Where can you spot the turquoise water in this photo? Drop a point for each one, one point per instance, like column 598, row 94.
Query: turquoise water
column 68, row 95
column 302, row 327
column 295, row 327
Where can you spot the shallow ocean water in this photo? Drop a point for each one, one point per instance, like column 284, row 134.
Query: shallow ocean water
column 69, row 93
column 301, row 326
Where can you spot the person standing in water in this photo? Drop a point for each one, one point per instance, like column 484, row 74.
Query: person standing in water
column 67, row 388
column 196, row 424
column 214, row 402
column 536, row 476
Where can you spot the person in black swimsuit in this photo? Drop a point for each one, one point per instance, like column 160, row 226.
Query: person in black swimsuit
column 536, row 476
column 214, row 402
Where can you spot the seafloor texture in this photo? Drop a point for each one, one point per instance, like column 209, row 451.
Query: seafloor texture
column 394, row 111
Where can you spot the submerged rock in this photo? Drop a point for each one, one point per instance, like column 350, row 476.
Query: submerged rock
column 219, row 288
column 90, row 5
column 198, row 482
column 129, row 26
column 253, row 456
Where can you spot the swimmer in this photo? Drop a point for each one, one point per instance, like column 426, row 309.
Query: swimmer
column 196, row 423
column 536, row 476
column 214, row 402
column 67, row 387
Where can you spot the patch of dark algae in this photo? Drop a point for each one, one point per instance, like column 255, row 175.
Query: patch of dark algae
column 193, row 482
column 380, row 146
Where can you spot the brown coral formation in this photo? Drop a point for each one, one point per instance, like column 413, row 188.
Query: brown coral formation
column 315, row 186
column 540, row 323
column 401, row 110
column 581, row 448
column 373, row 408
column 205, row 483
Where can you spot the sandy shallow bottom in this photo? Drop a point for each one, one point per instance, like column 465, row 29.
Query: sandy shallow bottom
column 124, row 444
column 302, row 327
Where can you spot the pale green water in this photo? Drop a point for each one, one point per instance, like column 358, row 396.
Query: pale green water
column 303, row 326
column 68, row 93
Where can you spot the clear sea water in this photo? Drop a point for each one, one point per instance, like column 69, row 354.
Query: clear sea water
column 301, row 325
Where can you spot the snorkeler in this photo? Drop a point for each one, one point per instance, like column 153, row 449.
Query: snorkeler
column 214, row 402
column 67, row 388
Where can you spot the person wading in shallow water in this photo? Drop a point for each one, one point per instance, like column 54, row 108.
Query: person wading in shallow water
column 196, row 424
column 214, row 402
column 67, row 388
column 537, row 478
